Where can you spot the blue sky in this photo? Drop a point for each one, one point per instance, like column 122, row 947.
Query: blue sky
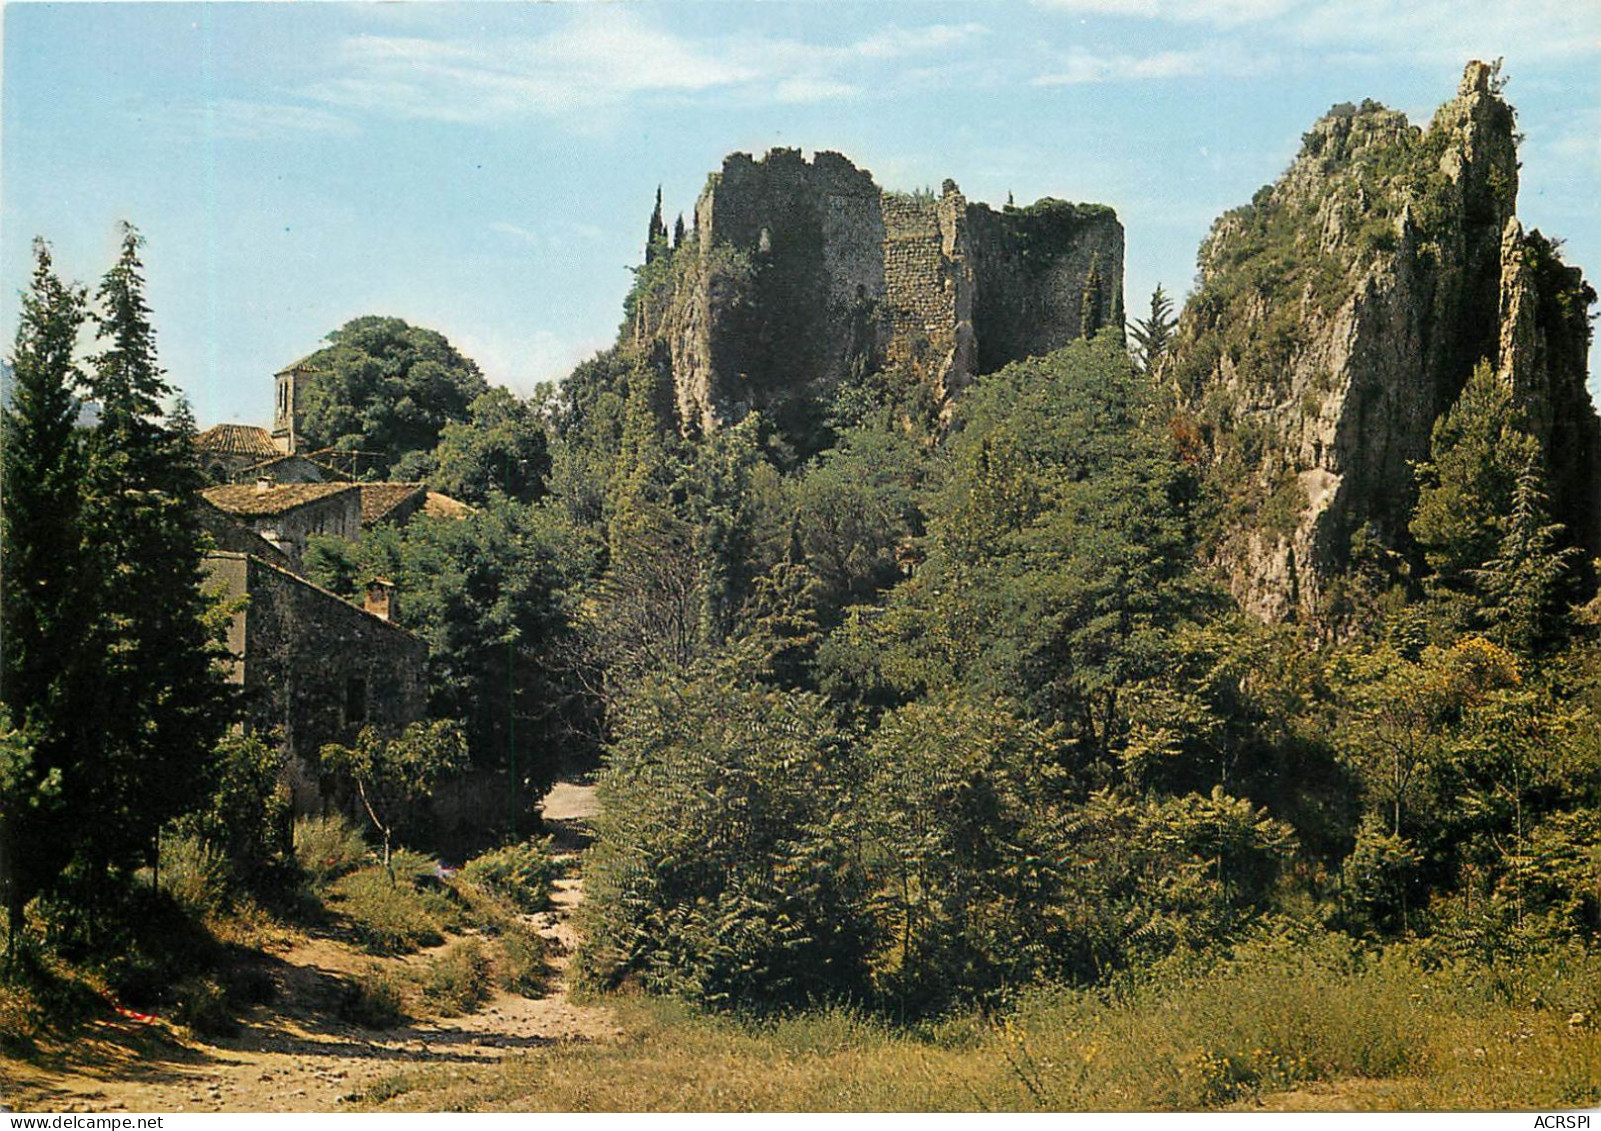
column 488, row 169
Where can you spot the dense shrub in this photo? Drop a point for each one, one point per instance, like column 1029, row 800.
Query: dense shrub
column 457, row 981
column 522, row 873
column 966, row 849
column 201, row 1004
column 724, row 866
column 520, row 964
column 327, row 847
column 392, row 917
column 194, row 873
column 374, row 998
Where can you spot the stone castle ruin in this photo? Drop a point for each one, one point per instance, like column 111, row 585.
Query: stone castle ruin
column 801, row 273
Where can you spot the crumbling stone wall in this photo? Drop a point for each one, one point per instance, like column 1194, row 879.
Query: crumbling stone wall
column 928, row 275
column 777, row 321
column 803, row 271
column 1029, row 270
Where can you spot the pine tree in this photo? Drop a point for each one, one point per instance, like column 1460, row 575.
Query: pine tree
column 42, row 603
column 43, row 468
column 1477, row 452
column 1153, row 336
column 162, row 704
column 656, row 238
column 1522, row 587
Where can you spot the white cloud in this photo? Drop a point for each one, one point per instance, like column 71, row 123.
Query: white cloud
column 604, row 57
column 237, row 118
column 1082, row 66
column 1223, row 13
column 522, row 362
column 814, row 90
column 1575, row 145
column 517, row 232
column 1451, row 30
column 895, row 43
column 568, row 233
column 1455, row 30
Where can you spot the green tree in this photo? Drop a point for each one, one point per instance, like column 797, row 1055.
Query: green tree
column 1153, row 335
column 724, row 865
column 1525, row 588
column 1068, row 531
column 1060, row 553
column 656, row 237
column 45, row 585
column 162, row 701
column 501, row 449
column 1092, row 301
column 1476, row 453
column 857, row 510
column 388, row 389
column 965, row 844
column 1403, row 713
column 779, row 630
column 247, row 815
column 1514, row 758
column 28, row 790
column 489, row 594
column 1381, row 877
column 392, row 774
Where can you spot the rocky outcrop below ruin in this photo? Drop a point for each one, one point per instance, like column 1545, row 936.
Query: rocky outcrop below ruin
column 1340, row 313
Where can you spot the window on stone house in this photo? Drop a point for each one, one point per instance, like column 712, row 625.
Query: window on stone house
column 355, row 700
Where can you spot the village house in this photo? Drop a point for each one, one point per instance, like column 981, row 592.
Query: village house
column 314, row 668
column 288, row 514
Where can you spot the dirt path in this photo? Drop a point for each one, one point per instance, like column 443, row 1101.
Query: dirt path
column 294, row 1055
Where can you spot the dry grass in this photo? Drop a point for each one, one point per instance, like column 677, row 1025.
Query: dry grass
column 1270, row 1031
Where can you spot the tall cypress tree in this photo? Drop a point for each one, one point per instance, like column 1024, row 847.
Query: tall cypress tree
column 656, row 238
column 1092, row 302
column 44, row 606
column 163, row 699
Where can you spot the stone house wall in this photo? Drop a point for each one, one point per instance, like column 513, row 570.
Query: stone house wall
column 314, row 668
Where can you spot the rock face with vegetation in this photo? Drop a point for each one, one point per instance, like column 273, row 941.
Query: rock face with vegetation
column 1340, row 314
column 797, row 275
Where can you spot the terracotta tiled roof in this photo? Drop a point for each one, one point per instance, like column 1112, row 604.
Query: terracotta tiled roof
column 237, row 439
column 378, row 499
column 443, row 506
column 249, row 499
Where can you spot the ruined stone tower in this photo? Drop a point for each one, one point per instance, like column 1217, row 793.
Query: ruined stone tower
column 800, row 270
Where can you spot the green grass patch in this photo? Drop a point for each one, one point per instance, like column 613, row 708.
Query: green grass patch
column 393, row 916
column 1270, row 1029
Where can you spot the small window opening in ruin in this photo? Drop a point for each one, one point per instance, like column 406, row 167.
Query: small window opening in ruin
column 355, row 700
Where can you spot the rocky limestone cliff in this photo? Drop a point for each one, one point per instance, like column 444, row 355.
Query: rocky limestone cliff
column 1341, row 312
column 799, row 272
